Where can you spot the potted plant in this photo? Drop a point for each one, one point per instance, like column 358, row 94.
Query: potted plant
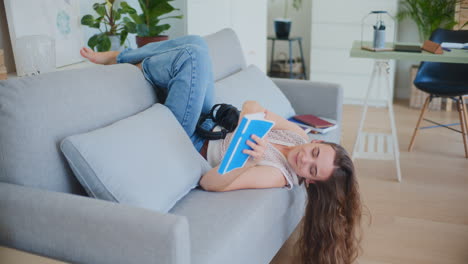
column 147, row 25
column 283, row 25
column 429, row 15
column 113, row 33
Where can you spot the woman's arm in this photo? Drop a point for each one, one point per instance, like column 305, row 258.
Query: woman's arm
column 250, row 107
column 252, row 177
column 213, row 181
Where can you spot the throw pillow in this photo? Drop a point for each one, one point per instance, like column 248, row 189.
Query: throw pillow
column 146, row 160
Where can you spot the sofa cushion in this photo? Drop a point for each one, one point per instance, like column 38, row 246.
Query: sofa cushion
column 226, row 53
column 146, row 160
column 36, row 113
column 252, row 84
column 244, row 226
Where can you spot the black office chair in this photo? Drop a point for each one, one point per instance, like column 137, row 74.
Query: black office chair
column 448, row 80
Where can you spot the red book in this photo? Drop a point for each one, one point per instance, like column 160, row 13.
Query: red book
column 313, row 121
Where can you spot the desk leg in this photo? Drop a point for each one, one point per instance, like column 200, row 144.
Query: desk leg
column 290, row 61
column 396, row 149
column 357, row 142
column 302, row 58
column 272, row 54
column 393, row 152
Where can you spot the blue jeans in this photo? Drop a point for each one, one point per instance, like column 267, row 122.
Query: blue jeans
column 181, row 70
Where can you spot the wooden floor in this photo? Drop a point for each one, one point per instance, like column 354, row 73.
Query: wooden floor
column 423, row 219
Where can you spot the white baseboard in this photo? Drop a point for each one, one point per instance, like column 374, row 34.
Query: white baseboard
column 371, row 102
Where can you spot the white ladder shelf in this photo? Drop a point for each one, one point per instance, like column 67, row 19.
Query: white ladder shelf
column 378, row 146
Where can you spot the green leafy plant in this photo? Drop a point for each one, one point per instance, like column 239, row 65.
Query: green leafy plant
column 148, row 23
column 297, row 4
column 429, row 15
column 108, row 23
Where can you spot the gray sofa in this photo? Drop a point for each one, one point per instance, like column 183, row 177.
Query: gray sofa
column 44, row 210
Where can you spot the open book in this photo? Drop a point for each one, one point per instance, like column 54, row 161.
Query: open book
column 251, row 124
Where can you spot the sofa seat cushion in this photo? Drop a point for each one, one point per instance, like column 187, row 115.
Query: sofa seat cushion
column 146, row 160
column 252, row 84
column 233, row 227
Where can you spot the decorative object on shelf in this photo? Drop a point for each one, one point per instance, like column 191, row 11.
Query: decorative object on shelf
column 58, row 19
column 383, row 30
column 3, row 70
column 281, row 65
column 112, row 31
column 432, row 47
column 283, row 25
column 35, row 55
column 287, row 67
column 147, row 25
column 429, row 15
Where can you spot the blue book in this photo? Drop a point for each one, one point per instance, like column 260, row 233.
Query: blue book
column 251, row 124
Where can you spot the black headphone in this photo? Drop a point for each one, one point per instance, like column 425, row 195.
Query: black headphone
column 227, row 116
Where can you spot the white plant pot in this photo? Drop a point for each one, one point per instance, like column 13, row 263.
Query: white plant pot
column 115, row 43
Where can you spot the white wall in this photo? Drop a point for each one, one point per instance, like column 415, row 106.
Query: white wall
column 335, row 25
column 301, row 27
column 246, row 17
column 407, row 32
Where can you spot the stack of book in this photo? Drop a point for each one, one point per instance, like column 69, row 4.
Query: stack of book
column 3, row 70
column 314, row 124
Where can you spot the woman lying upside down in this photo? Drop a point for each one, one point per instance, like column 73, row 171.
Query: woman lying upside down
column 180, row 70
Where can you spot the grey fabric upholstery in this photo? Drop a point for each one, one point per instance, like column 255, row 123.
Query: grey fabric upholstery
column 245, row 226
column 252, row 84
column 320, row 99
column 36, row 113
column 133, row 160
column 83, row 230
column 226, row 53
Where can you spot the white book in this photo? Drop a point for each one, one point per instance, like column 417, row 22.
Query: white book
column 453, row 45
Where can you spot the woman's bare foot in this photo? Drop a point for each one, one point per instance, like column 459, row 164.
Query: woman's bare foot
column 105, row 58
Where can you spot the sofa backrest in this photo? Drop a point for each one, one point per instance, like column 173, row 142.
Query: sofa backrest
column 36, row 113
column 226, row 53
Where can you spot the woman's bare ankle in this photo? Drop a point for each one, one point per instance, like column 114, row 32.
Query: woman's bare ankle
column 139, row 66
column 105, row 58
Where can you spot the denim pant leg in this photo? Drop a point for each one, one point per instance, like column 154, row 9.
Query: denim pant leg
column 185, row 73
column 140, row 54
column 135, row 56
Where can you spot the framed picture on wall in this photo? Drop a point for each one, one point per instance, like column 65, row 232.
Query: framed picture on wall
column 47, row 21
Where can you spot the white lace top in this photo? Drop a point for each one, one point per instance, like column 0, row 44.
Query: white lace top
column 273, row 157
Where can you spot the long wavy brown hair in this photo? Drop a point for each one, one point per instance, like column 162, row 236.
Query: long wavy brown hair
column 331, row 228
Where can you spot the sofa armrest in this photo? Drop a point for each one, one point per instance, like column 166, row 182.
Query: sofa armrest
column 78, row 229
column 306, row 97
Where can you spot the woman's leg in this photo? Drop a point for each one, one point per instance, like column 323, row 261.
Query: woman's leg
column 135, row 56
column 184, row 74
column 181, row 68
